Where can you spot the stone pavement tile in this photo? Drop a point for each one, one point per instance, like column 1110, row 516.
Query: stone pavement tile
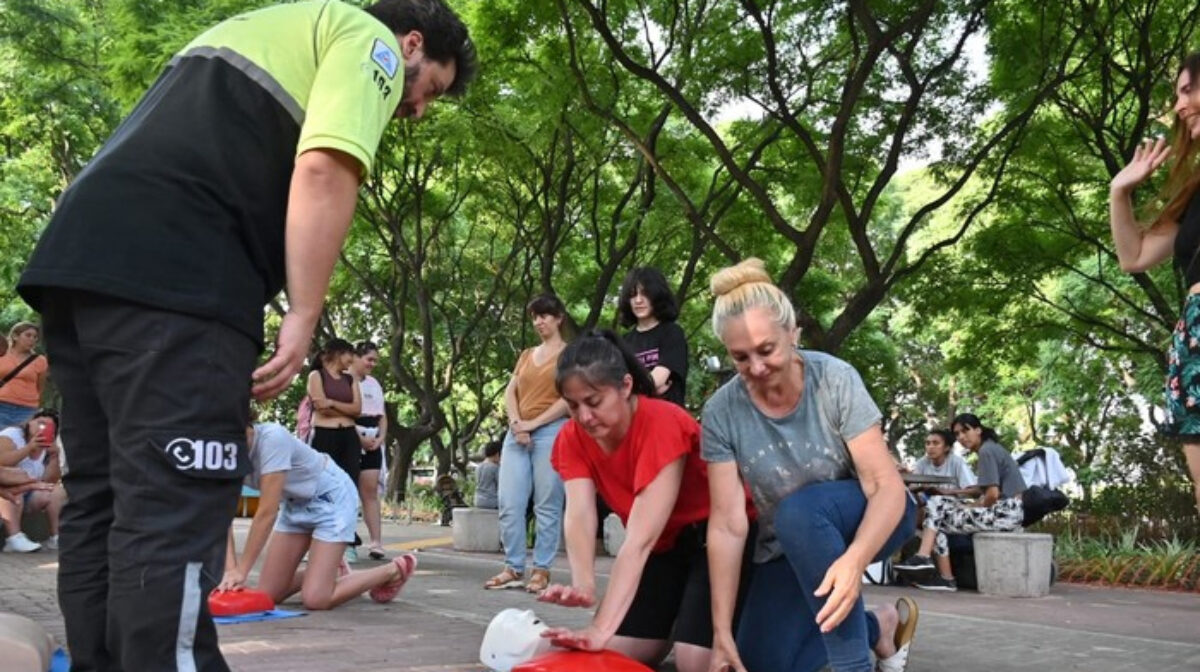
column 983, row 644
column 438, row 621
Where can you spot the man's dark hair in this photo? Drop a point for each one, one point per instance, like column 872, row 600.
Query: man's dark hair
column 446, row 38
column 655, row 288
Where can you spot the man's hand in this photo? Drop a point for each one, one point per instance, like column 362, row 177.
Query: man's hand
column 291, row 346
column 569, row 596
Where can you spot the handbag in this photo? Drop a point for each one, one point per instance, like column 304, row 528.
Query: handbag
column 1039, row 501
column 13, row 374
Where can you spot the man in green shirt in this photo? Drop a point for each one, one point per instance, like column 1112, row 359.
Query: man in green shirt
column 235, row 175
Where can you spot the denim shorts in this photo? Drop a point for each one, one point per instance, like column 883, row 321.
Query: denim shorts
column 330, row 516
column 13, row 414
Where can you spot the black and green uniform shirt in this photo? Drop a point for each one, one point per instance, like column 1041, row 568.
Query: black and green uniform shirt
column 184, row 207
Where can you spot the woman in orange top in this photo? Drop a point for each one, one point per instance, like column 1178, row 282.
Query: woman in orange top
column 535, row 413
column 22, row 393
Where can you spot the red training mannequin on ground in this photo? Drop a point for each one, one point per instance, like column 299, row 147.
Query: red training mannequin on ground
column 582, row 661
column 238, row 602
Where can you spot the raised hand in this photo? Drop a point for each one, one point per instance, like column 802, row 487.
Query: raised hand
column 568, row 596
column 1146, row 159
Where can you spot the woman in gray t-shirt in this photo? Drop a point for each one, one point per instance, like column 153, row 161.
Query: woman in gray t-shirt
column 799, row 430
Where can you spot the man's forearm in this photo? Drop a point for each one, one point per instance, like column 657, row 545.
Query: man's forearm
column 324, row 191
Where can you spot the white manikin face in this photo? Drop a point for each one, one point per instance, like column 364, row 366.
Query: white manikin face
column 513, row 637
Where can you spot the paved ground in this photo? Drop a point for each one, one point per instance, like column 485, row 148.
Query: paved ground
column 438, row 622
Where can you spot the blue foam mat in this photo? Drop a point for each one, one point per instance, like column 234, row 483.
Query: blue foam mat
column 60, row 662
column 272, row 615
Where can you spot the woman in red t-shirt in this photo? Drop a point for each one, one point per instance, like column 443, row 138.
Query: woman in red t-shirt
column 643, row 456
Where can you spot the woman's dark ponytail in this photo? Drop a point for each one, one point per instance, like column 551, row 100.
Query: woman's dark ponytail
column 602, row 358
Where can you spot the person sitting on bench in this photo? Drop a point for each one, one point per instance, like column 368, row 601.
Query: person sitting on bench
column 999, row 509
column 941, row 460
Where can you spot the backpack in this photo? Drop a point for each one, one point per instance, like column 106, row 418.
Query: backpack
column 1039, row 501
column 304, row 415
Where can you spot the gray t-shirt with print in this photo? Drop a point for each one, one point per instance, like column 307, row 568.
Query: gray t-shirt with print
column 777, row 456
column 276, row 449
column 954, row 466
column 997, row 467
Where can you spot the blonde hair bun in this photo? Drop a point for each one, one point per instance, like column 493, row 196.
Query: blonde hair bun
column 748, row 271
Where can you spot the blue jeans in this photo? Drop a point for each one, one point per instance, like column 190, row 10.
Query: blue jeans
column 525, row 471
column 12, row 414
column 778, row 630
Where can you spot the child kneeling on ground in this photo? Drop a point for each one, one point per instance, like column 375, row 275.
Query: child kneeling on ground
column 312, row 505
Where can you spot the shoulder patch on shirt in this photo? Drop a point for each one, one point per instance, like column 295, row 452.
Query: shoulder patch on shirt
column 385, row 58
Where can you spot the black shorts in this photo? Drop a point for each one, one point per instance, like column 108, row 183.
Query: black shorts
column 673, row 600
column 341, row 444
column 371, row 459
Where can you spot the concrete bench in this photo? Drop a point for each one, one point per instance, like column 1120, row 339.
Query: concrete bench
column 476, row 529
column 1013, row 564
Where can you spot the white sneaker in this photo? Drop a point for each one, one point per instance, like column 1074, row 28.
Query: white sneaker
column 19, row 543
column 51, row 542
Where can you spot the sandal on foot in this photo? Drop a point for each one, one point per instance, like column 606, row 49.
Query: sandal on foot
column 406, row 564
column 375, row 552
column 906, row 629
column 538, row 581
column 509, row 578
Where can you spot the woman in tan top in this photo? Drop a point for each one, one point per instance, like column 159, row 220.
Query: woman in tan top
column 535, row 414
column 24, row 374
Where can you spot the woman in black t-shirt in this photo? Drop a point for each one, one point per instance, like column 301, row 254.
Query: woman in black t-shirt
column 647, row 305
column 1175, row 232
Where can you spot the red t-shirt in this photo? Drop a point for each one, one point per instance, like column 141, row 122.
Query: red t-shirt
column 659, row 434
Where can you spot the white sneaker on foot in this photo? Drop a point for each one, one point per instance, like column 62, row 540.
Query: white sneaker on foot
column 51, row 542
column 19, row 543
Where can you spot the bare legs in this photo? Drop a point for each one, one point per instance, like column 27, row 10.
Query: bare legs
column 319, row 585
column 368, row 492
column 688, row 657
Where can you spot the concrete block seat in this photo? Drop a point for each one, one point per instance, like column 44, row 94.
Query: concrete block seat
column 1014, row 564
column 476, row 530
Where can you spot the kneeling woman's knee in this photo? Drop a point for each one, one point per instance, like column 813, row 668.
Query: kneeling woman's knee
column 814, row 507
column 317, row 602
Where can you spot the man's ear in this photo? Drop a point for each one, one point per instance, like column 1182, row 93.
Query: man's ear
column 411, row 43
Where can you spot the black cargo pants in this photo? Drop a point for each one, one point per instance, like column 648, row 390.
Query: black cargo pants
column 155, row 405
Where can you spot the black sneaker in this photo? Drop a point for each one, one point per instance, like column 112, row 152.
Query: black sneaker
column 938, row 583
column 915, row 563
